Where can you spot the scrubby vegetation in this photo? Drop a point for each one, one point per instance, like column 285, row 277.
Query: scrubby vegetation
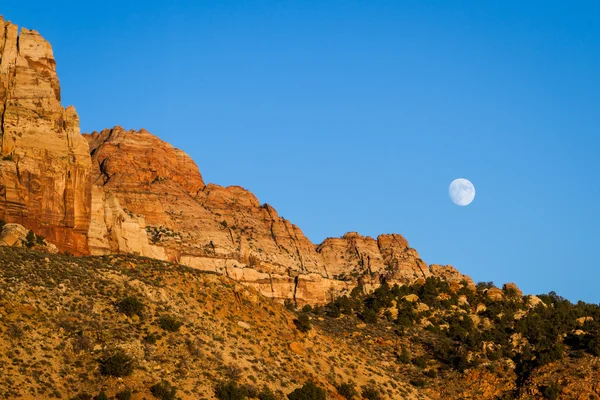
column 309, row 391
column 163, row 390
column 469, row 327
column 69, row 325
column 117, row 364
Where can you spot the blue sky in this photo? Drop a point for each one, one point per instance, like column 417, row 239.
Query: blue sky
column 357, row 115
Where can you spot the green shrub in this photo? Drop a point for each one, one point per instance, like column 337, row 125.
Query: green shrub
column 130, row 306
column 163, row 390
column 370, row 393
column 431, row 373
column 419, row 362
column 289, row 304
column 30, row 239
column 551, row 392
column 101, row 396
column 593, row 346
column 303, row 323
column 418, row 382
column 82, row 396
column 266, row 394
column 150, row 338
column 404, row 356
column 123, row 395
column 169, row 323
column 230, row 391
column 309, row 391
column 347, row 390
column 369, row 316
column 117, row 364
column 307, row 308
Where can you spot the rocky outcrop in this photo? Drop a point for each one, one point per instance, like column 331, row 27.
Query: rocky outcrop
column 45, row 163
column 120, row 191
column 355, row 255
column 15, row 235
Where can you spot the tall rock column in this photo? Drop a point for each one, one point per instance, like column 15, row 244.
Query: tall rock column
column 44, row 161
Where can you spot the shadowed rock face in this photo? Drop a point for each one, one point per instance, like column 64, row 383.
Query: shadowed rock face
column 119, row 191
column 45, row 166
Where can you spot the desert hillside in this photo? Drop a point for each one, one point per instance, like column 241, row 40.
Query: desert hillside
column 118, row 324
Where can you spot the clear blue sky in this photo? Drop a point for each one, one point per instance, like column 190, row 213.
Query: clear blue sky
column 356, row 116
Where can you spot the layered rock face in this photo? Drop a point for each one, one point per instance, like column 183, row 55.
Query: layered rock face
column 150, row 199
column 119, row 191
column 45, row 162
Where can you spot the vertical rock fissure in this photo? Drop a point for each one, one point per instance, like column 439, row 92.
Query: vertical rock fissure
column 296, row 280
column 271, row 228
column 271, row 282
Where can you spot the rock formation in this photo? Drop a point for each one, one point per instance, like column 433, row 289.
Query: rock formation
column 150, row 199
column 119, row 191
column 15, row 235
column 45, row 162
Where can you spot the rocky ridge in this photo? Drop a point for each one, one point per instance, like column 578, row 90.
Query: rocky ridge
column 120, row 191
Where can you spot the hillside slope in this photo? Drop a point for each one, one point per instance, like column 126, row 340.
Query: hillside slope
column 63, row 317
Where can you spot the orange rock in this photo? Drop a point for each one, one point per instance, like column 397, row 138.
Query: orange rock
column 297, row 348
column 512, row 287
column 45, row 166
column 494, row 294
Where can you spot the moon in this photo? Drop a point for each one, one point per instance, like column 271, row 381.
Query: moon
column 462, row 192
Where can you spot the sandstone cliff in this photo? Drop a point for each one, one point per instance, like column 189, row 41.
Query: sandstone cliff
column 150, row 199
column 119, row 191
column 45, row 165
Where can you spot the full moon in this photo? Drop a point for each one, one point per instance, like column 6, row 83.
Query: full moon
column 462, row 192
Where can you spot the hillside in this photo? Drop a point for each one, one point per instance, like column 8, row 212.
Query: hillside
column 62, row 318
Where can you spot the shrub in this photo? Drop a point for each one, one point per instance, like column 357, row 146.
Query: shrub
column 369, row 316
column 593, row 346
column 169, row 323
column 431, row 373
column 30, row 239
column 551, row 392
column 370, row 393
column 309, row 391
column 404, row 356
column 163, row 390
column 419, row 362
column 303, row 323
column 289, row 304
column 230, row 391
column 82, row 396
column 418, row 382
column 150, row 338
column 307, row 308
column 130, row 306
column 101, row 396
column 347, row 390
column 233, row 373
column 117, row 364
column 266, row 394
column 123, row 395
column 81, row 343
